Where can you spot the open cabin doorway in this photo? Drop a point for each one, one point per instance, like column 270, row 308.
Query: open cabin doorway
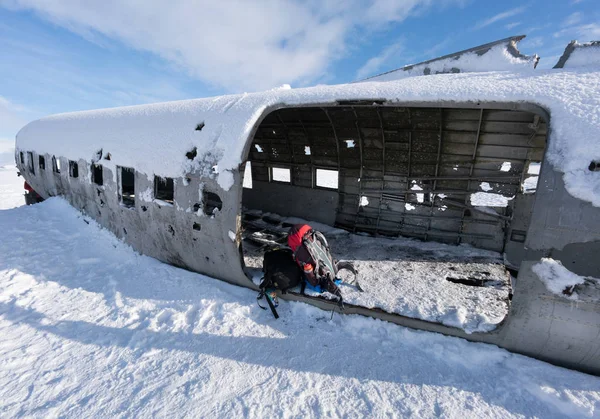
column 424, row 200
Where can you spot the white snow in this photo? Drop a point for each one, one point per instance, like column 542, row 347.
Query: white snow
column 231, row 236
column 349, row 143
column 530, row 184
column 584, row 55
column 486, row 199
column 485, row 186
column 364, row 201
column 146, row 195
column 307, row 150
column 89, row 328
column 557, row 279
column 505, row 166
column 11, row 188
column 415, row 187
column 155, row 138
column 496, row 59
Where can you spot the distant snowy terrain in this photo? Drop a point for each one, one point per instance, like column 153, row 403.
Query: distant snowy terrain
column 11, row 188
column 89, row 328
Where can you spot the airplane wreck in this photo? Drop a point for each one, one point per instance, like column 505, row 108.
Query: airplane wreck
column 457, row 189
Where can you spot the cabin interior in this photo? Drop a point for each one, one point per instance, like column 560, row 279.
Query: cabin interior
column 400, row 190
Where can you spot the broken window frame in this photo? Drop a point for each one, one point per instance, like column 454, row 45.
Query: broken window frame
column 96, row 170
column 56, row 165
column 73, row 169
column 164, row 193
column 126, row 200
column 30, row 164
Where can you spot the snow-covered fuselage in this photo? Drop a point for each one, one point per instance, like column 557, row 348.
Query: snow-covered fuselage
column 409, row 157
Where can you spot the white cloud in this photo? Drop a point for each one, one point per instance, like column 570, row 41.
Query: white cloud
column 500, row 16
column 7, row 145
column 534, row 42
column 235, row 44
column 587, row 32
column 512, row 25
column 375, row 63
column 573, row 19
column 12, row 118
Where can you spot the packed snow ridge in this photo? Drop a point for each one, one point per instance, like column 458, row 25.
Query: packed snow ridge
column 498, row 58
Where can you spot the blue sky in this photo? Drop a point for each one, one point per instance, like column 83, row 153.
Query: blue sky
column 76, row 55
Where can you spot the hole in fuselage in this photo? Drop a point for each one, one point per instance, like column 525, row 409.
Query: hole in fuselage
column 192, row 153
column 396, row 172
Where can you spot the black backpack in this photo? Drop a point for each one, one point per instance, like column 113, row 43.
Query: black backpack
column 281, row 273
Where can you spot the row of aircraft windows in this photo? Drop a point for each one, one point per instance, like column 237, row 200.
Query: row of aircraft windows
column 324, row 178
column 164, row 188
column 73, row 166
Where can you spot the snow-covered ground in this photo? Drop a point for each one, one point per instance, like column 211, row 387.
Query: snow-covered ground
column 423, row 280
column 11, row 188
column 89, row 328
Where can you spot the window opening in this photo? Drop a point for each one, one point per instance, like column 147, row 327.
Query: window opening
column 127, row 186
column 22, row 156
column 30, row 162
column 55, row 164
column 164, row 189
column 281, row 174
column 530, row 180
column 97, row 174
column 247, row 183
column 73, row 169
column 42, row 162
column 327, row 178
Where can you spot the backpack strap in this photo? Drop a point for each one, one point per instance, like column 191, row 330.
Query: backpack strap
column 262, row 294
column 264, row 285
column 319, row 252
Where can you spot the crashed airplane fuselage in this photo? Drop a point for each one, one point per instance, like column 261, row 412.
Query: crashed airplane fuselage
column 168, row 180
